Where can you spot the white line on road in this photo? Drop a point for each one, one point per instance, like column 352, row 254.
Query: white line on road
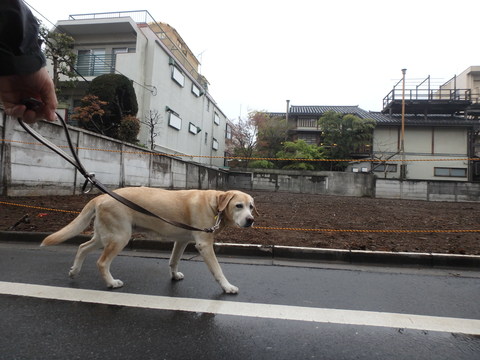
column 282, row 312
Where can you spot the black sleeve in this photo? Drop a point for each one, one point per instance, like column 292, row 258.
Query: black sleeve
column 20, row 51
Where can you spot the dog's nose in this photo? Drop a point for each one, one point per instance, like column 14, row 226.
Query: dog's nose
column 249, row 221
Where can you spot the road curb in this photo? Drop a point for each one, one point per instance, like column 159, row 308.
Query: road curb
column 287, row 252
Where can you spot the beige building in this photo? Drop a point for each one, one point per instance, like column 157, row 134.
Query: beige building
column 441, row 127
column 179, row 48
column 468, row 79
column 435, row 148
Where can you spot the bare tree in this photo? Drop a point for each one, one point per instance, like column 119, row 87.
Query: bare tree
column 243, row 141
column 151, row 120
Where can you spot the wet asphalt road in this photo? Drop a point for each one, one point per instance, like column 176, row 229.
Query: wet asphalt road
column 33, row 328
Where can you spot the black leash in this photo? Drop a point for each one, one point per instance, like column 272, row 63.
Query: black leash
column 90, row 177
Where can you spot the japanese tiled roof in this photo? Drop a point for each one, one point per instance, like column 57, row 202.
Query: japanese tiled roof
column 380, row 118
column 320, row 109
column 430, row 120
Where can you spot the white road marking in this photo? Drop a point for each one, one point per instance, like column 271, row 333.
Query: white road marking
column 283, row 312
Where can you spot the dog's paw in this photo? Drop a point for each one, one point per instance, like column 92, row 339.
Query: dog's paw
column 177, row 276
column 115, row 284
column 72, row 273
column 230, row 289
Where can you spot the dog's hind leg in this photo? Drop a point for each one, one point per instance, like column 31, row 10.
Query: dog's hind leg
column 83, row 250
column 177, row 252
column 112, row 249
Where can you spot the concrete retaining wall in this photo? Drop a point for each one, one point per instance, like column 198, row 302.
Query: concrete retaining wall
column 311, row 182
column 28, row 168
column 427, row 190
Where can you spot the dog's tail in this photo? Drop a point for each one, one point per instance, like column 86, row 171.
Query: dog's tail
column 74, row 228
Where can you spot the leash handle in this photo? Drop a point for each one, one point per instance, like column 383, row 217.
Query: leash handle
column 90, row 179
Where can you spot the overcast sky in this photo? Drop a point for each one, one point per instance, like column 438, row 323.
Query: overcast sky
column 257, row 54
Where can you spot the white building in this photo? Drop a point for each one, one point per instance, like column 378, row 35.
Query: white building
column 165, row 78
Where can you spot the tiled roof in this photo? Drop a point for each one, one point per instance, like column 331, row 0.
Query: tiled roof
column 276, row 114
column 430, row 120
column 380, row 118
column 320, row 109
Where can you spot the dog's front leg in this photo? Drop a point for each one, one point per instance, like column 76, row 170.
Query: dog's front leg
column 204, row 245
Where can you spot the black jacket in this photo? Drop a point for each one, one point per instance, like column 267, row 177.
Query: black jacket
column 20, row 51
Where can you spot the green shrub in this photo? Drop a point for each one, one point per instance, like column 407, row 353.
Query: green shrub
column 261, row 164
column 128, row 129
column 117, row 90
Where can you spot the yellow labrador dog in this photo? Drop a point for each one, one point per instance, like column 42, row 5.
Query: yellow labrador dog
column 114, row 222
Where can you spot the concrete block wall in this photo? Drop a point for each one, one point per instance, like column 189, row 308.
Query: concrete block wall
column 394, row 189
column 318, row 182
column 160, row 172
column 427, row 190
column 136, row 169
column 30, row 169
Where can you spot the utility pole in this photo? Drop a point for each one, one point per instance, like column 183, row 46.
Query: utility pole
column 403, row 168
column 288, row 109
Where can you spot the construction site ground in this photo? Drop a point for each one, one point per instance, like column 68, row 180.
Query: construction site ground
column 332, row 222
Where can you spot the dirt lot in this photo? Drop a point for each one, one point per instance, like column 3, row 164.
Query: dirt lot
column 307, row 212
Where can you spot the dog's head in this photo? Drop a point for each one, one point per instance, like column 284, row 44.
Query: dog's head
column 237, row 208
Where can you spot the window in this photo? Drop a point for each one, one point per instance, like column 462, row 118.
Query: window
column 83, row 62
column 385, row 167
column 194, row 129
column 196, row 90
column 216, row 119
column 228, row 132
column 178, row 76
column 95, row 62
column 214, row 144
column 450, row 172
column 123, row 50
column 362, row 169
column 309, row 138
column 307, row 123
column 174, row 121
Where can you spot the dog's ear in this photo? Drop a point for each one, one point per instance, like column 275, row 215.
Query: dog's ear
column 224, row 199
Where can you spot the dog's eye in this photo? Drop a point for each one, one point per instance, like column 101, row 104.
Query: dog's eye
column 239, row 206
column 251, row 207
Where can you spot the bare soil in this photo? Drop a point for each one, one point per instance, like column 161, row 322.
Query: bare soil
column 334, row 215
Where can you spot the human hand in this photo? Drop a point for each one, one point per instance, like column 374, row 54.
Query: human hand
column 38, row 85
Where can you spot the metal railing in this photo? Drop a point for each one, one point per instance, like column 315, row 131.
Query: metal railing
column 94, row 65
column 424, row 94
column 143, row 17
column 307, row 123
column 139, row 16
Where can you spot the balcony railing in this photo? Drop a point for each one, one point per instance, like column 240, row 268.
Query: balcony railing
column 307, row 123
column 94, row 65
column 143, row 18
column 421, row 94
